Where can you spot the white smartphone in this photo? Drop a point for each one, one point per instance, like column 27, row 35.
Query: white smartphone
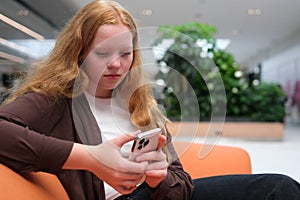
column 145, row 142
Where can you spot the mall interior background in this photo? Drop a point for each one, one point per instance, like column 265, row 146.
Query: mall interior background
column 278, row 61
column 262, row 39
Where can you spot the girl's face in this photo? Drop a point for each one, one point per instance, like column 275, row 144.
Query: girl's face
column 109, row 59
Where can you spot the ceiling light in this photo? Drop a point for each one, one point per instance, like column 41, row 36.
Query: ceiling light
column 12, row 58
column 257, row 11
column 254, row 12
column 146, row 12
column 23, row 12
column 13, row 45
column 21, row 27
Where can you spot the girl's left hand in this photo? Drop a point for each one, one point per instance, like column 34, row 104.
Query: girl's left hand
column 157, row 169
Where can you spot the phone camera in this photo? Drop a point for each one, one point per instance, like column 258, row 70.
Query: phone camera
column 142, row 143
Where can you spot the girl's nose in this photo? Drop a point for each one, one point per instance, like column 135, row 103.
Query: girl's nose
column 115, row 62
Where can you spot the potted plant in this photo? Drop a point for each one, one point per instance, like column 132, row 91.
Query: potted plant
column 198, row 62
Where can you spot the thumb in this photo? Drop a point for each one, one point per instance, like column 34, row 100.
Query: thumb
column 133, row 167
column 161, row 142
column 121, row 140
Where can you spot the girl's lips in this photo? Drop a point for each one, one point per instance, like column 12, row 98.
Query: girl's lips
column 112, row 76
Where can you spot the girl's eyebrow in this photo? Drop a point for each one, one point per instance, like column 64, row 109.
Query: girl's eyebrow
column 102, row 48
column 125, row 48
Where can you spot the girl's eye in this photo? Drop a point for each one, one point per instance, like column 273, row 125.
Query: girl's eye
column 102, row 54
column 126, row 53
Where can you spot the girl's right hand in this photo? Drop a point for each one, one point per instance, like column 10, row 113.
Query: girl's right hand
column 107, row 163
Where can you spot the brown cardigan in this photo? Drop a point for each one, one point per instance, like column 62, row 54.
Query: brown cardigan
column 37, row 134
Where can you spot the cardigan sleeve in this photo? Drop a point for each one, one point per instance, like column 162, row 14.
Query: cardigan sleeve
column 178, row 184
column 23, row 148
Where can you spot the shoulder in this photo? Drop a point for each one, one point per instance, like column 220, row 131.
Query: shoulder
column 33, row 108
column 38, row 102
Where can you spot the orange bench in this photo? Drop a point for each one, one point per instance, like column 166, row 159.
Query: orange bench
column 37, row 186
column 30, row 186
column 214, row 160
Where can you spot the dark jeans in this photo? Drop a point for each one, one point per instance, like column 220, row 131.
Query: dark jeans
column 236, row 187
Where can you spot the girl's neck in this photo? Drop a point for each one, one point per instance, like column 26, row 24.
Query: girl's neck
column 103, row 94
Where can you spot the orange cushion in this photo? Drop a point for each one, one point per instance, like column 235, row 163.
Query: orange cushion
column 219, row 160
column 31, row 186
column 213, row 160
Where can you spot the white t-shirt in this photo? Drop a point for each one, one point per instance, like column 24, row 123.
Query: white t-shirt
column 113, row 120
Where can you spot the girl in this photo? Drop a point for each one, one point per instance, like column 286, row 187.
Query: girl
column 75, row 115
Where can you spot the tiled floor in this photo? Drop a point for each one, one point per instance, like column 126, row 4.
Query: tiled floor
column 272, row 156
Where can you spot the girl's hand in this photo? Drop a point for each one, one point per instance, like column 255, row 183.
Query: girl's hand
column 107, row 163
column 157, row 168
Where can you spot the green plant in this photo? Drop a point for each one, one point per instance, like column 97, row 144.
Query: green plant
column 237, row 103
column 193, row 68
column 189, row 69
column 266, row 102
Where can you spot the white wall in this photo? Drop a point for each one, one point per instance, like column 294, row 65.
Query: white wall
column 284, row 68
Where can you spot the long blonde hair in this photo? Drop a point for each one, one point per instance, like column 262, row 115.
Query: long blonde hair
column 56, row 74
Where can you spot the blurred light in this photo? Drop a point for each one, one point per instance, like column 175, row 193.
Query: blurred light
column 13, row 45
column 31, row 48
column 161, row 48
column 160, row 82
column 234, row 90
column 203, row 54
column 238, row 74
column 255, row 82
column 223, row 43
column 21, row 27
column 170, row 90
column 12, row 58
column 23, row 12
column 36, row 49
column 210, row 86
column 220, row 44
column 164, row 68
column 256, row 70
column 254, row 12
column 146, row 12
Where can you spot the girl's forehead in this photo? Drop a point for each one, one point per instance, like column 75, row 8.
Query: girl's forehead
column 112, row 35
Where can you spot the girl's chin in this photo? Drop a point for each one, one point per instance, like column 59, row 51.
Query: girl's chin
column 106, row 89
column 100, row 90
